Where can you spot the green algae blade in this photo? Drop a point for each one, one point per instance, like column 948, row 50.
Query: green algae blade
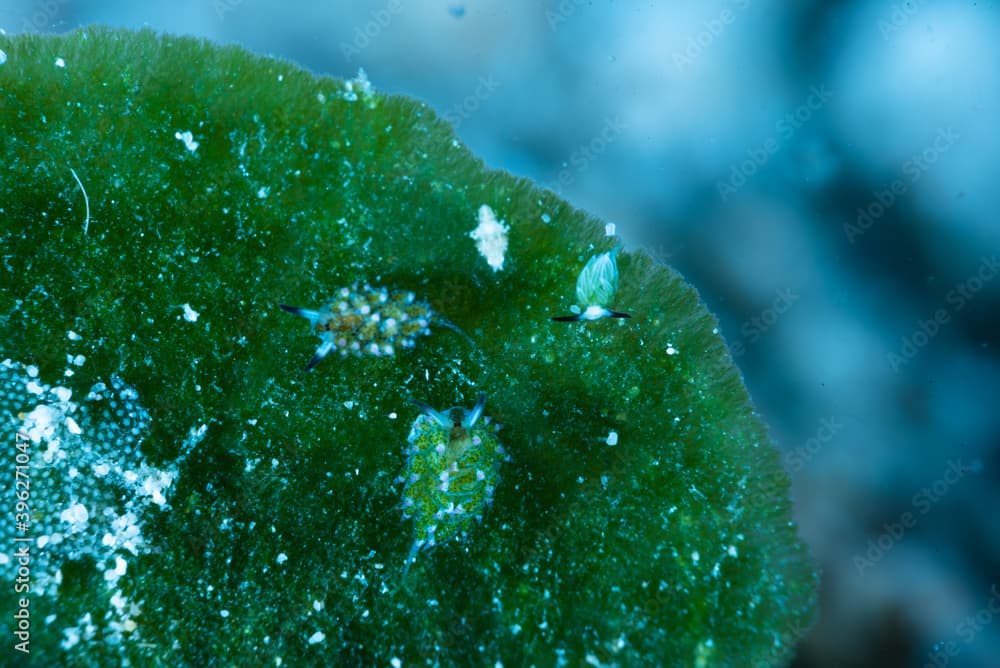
column 161, row 198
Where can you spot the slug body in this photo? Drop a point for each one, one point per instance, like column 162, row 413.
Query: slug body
column 452, row 469
column 366, row 321
column 595, row 289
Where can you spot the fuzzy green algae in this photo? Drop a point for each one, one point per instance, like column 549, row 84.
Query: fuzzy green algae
column 643, row 517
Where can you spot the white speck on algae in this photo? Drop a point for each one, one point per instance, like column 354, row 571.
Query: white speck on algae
column 189, row 313
column 188, row 138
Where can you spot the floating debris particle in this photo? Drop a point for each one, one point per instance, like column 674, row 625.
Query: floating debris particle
column 491, row 237
column 452, row 469
column 367, row 321
column 595, row 289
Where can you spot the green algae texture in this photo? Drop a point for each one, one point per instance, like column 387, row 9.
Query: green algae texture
column 642, row 518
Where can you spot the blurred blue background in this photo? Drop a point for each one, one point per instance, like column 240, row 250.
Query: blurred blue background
column 824, row 173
